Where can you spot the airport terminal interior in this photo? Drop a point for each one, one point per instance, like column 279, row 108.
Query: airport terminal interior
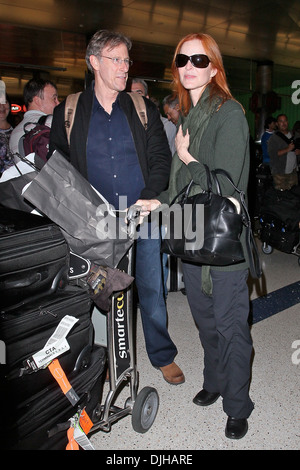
column 260, row 43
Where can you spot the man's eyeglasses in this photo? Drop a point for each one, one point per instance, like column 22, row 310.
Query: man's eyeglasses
column 118, row 61
column 200, row 61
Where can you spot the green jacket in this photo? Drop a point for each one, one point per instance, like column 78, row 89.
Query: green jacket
column 224, row 144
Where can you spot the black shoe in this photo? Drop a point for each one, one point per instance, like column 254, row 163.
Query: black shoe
column 204, row 398
column 236, row 428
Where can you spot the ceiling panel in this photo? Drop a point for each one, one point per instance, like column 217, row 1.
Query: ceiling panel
column 51, row 35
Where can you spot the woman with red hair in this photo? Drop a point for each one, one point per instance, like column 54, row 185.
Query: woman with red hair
column 213, row 131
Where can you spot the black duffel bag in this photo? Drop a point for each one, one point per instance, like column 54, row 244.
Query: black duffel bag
column 206, row 228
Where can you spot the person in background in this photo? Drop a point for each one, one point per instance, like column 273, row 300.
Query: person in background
column 111, row 149
column 6, row 128
column 171, row 108
column 296, row 139
column 169, row 127
column 40, row 98
column 270, row 126
column 283, row 156
column 296, row 130
column 213, row 130
column 138, row 85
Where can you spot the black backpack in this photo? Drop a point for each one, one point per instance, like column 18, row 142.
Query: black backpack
column 35, row 140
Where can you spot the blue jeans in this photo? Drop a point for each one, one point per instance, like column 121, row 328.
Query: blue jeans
column 149, row 281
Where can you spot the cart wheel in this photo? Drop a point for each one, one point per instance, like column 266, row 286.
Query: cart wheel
column 145, row 409
column 267, row 249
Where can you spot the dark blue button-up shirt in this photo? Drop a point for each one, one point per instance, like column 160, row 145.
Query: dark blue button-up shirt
column 112, row 161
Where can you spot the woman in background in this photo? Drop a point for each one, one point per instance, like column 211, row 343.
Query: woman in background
column 213, row 130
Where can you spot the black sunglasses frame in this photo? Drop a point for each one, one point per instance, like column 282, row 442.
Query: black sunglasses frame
column 203, row 64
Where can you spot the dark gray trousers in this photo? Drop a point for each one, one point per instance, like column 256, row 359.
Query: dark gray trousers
column 222, row 320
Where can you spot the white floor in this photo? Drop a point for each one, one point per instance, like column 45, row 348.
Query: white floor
column 181, row 425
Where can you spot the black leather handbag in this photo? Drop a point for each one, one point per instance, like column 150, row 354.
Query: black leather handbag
column 205, row 228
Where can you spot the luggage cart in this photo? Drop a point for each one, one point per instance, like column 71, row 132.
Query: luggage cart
column 142, row 406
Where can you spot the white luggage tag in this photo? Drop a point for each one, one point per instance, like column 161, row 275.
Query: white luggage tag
column 55, row 346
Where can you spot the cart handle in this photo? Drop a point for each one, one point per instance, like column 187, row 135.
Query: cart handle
column 133, row 218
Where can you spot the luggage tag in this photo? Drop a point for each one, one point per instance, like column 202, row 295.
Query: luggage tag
column 76, row 435
column 85, row 422
column 72, row 444
column 81, row 438
column 55, row 346
column 61, row 378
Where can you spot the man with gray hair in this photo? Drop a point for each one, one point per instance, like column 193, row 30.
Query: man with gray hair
column 138, row 85
column 171, row 108
column 110, row 147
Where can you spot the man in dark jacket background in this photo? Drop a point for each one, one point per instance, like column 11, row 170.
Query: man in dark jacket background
column 110, row 147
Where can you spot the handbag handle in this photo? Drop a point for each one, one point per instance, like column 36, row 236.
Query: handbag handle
column 214, row 173
column 186, row 189
column 254, row 260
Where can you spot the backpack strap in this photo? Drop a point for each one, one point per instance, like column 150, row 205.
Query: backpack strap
column 283, row 137
column 41, row 121
column 70, row 109
column 140, row 107
column 72, row 100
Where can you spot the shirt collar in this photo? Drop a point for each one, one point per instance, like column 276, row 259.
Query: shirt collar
column 97, row 105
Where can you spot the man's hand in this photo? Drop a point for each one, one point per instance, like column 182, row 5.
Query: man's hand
column 147, row 205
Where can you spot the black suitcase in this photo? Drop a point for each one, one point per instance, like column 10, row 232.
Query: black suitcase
column 41, row 422
column 279, row 219
column 34, row 257
column 276, row 233
column 27, row 331
column 283, row 205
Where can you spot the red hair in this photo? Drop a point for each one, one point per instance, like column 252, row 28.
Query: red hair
column 218, row 83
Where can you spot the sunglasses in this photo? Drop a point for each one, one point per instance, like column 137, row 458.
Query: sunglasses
column 200, row 61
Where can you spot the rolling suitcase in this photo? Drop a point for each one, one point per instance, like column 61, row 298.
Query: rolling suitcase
column 279, row 219
column 26, row 331
column 284, row 206
column 275, row 233
column 34, row 257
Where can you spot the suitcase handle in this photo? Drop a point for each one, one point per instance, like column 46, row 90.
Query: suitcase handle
column 59, row 282
column 16, row 284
